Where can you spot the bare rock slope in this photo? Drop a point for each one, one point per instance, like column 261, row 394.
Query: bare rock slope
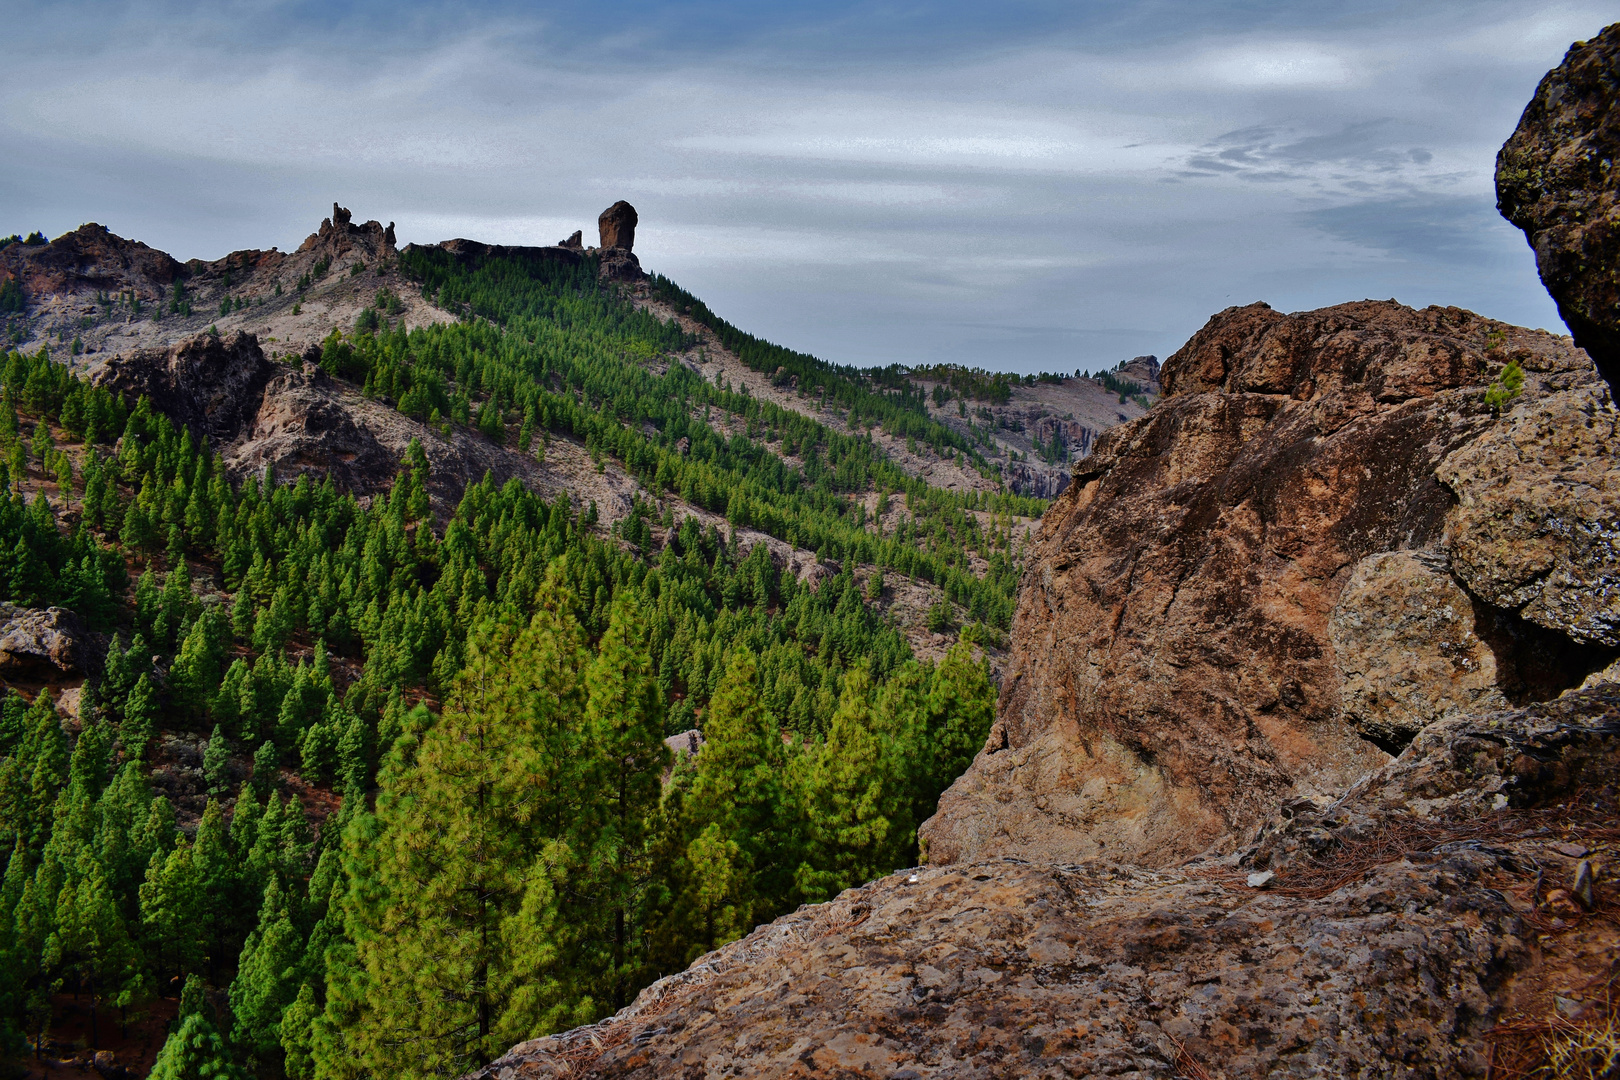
column 1318, row 542
column 1347, row 967
column 1555, row 179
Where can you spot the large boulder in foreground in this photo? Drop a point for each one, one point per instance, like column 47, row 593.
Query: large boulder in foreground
column 1556, row 179
column 1181, row 659
column 1393, row 932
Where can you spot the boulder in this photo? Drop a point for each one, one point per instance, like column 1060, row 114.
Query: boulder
column 617, row 226
column 1554, row 180
column 1173, row 669
column 40, row 642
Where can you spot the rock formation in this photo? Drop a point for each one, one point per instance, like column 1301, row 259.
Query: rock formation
column 1555, row 180
column 1011, row 968
column 40, row 643
column 576, row 241
column 1248, row 594
column 266, row 416
column 212, row 385
column 617, row 226
column 89, row 259
column 339, row 236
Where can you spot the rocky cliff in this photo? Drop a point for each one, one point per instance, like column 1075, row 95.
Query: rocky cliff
column 1555, row 179
column 1318, row 542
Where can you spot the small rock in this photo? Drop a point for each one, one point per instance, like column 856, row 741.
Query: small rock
column 1569, row 1008
column 1583, row 889
column 1573, row 851
column 1261, row 879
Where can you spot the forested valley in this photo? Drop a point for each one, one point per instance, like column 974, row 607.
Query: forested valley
column 440, row 812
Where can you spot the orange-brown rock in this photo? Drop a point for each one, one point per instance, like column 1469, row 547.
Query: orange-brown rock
column 617, row 226
column 1173, row 672
column 89, row 259
column 1008, row 968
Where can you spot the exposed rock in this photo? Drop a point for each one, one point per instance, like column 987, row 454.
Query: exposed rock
column 338, row 236
column 1555, row 180
column 210, row 384
column 619, row 264
column 1142, row 370
column 576, row 241
column 475, row 253
column 87, row 260
column 1004, row 968
column 617, row 226
column 1408, row 651
column 261, row 415
column 1172, row 672
column 1536, row 528
column 39, row 642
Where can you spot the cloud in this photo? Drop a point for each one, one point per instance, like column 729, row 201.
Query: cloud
column 1028, row 186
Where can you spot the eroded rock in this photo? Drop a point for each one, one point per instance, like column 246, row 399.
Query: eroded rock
column 40, row 642
column 1408, row 649
column 1555, row 179
column 1007, row 968
column 1536, row 528
column 1172, row 672
column 617, row 226
column 213, row 385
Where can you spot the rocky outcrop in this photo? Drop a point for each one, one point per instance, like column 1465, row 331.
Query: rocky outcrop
column 617, row 226
column 339, row 236
column 575, row 241
column 1185, row 652
column 1008, row 968
column 1555, row 180
column 40, row 642
column 213, row 385
column 89, row 259
column 263, row 416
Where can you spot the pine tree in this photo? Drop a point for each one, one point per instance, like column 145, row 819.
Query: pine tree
column 266, row 980
column 217, row 763
column 624, row 720
column 855, row 797
column 194, row 1052
column 140, row 718
column 495, row 781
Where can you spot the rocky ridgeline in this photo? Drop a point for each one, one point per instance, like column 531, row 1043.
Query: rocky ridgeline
column 1308, row 755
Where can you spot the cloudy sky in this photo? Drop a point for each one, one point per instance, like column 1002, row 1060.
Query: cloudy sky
column 1018, row 186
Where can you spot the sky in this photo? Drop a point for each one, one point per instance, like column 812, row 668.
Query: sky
column 1018, row 186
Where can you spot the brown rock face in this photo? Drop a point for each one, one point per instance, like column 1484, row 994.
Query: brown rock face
column 338, row 235
column 213, row 385
column 261, row 415
column 89, row 259
column 1555, row 180
column 1010, row 969
column 618, row 226
column 1173, row 670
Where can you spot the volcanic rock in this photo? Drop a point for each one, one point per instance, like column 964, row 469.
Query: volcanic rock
column 1555, row 180
column 576, row 241
column 36, row 642
column 1172, row 670
column 1008, row 968
column 617, row 226
column 212, row 385
column 89, row 259
column 268, row 417
column 339, row 236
